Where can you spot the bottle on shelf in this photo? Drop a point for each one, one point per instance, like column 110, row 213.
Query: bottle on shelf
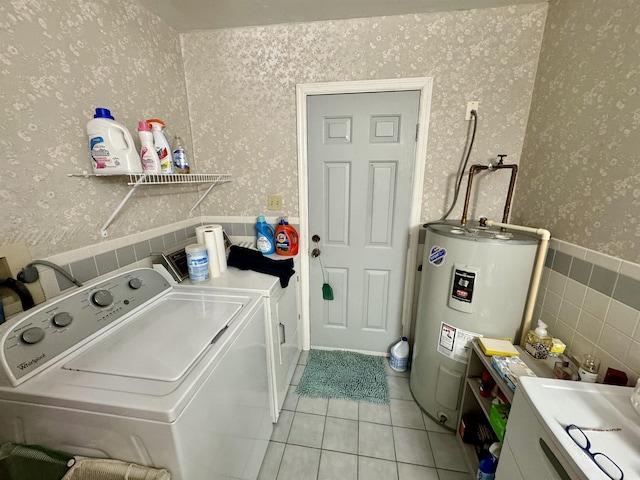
column 180, row 162
column 489, row 464
column 265, row 235
column 162, row 145
column 286, row 238
column 148, row 154
column 538, row 343
column 112, row 149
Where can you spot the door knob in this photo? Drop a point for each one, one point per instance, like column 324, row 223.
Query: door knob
column 315, row 253
column 315, row 239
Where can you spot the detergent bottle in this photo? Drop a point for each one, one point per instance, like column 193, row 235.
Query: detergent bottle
column 286, row 239
column 265, row 235
column 148, row 154
column 112, row 149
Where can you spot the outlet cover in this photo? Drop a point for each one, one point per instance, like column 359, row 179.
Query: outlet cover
column 274, row 202
column 471, row 106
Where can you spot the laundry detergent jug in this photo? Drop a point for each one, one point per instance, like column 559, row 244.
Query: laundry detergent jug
column 286, row 239
column 112, row 149
column 265, row 234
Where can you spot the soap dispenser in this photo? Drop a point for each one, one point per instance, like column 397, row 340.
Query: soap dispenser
column 539, row 342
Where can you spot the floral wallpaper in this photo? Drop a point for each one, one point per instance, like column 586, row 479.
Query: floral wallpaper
column 241, row 88
column 581, row 156
column 59, row 60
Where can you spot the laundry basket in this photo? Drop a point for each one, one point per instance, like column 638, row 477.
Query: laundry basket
column 105, row 469
column 20, row 462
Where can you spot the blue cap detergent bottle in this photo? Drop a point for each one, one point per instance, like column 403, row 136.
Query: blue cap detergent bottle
column 265, row 236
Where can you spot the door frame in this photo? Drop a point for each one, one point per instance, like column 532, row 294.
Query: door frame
column 424, row 85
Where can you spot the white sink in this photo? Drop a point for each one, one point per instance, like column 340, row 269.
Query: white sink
column 559, row 403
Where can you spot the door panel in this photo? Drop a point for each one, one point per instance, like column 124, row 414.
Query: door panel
column 361, row 152
column 337, row 197
column 382, row 185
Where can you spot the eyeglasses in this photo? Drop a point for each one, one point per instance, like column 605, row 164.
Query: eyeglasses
column 603, row 462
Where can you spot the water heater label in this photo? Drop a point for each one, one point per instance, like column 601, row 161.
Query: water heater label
column 436, row 255
column 455, row 343
column 463, row 283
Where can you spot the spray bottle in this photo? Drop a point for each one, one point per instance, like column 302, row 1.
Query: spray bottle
column 162, row 145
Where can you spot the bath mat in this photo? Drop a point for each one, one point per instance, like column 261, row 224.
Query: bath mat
column 346, row 375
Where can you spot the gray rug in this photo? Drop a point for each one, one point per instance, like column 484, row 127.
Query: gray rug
column 346, row 375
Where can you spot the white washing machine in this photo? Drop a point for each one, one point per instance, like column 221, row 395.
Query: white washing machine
column 135, row 369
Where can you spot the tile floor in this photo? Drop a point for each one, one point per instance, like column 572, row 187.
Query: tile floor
column 328, row 439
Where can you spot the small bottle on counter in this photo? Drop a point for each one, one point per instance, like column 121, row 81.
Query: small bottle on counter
column 588, row 371
column 539, row 342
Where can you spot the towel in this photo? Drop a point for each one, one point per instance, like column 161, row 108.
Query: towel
column 248, row 259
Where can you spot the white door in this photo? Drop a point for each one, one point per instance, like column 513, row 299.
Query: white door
column 361, row 153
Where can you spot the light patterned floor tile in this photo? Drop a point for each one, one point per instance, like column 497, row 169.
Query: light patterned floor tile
column 341, row 408
column 317, row 406
column 282, row 428
column 405, row 413
column 376, row 469
column 340, row 435
column 447, row 452
column 338, row 466
column 299, row 463
column 376, row 441
column 307, row 430
column 416, row 472
column 412, row 446
column 372, row 413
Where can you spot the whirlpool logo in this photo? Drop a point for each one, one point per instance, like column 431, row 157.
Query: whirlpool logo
column 31, row 362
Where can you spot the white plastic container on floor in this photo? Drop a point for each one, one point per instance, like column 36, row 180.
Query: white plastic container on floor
column 400, row 355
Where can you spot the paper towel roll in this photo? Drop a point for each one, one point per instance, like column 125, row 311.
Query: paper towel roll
column 222, row 257
column 200, row 232
column 210, row 241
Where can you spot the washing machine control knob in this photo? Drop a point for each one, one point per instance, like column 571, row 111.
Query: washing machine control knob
column 32, row 335
column 102, row 298
column 62, row 319
column 135, row 283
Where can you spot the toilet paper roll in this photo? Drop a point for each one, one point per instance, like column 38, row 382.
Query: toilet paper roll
column 210, row 241
column 200, row 232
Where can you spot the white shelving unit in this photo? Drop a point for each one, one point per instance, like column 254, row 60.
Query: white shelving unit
column 138, row 179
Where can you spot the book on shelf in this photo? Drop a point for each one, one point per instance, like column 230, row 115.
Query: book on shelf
column 497, row 346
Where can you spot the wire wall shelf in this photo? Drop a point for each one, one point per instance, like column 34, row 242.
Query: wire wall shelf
column 138, row 179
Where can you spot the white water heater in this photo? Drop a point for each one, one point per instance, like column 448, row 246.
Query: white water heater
column 474, row 283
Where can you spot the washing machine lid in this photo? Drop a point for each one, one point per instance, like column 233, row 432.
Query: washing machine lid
column 163, row 341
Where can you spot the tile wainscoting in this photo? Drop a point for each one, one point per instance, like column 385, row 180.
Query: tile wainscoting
column 591, row 301
column 134, row 251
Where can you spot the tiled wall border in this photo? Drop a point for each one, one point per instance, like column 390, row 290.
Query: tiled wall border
column 133, row 251
column 591, row 301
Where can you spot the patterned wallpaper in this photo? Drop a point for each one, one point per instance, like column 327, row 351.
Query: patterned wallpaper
column 241, row 87
column 581, row 157
column 59, row 60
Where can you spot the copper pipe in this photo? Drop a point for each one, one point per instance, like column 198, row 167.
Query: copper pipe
column 476, row 168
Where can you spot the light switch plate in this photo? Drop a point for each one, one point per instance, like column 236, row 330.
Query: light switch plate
column 274, row 202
